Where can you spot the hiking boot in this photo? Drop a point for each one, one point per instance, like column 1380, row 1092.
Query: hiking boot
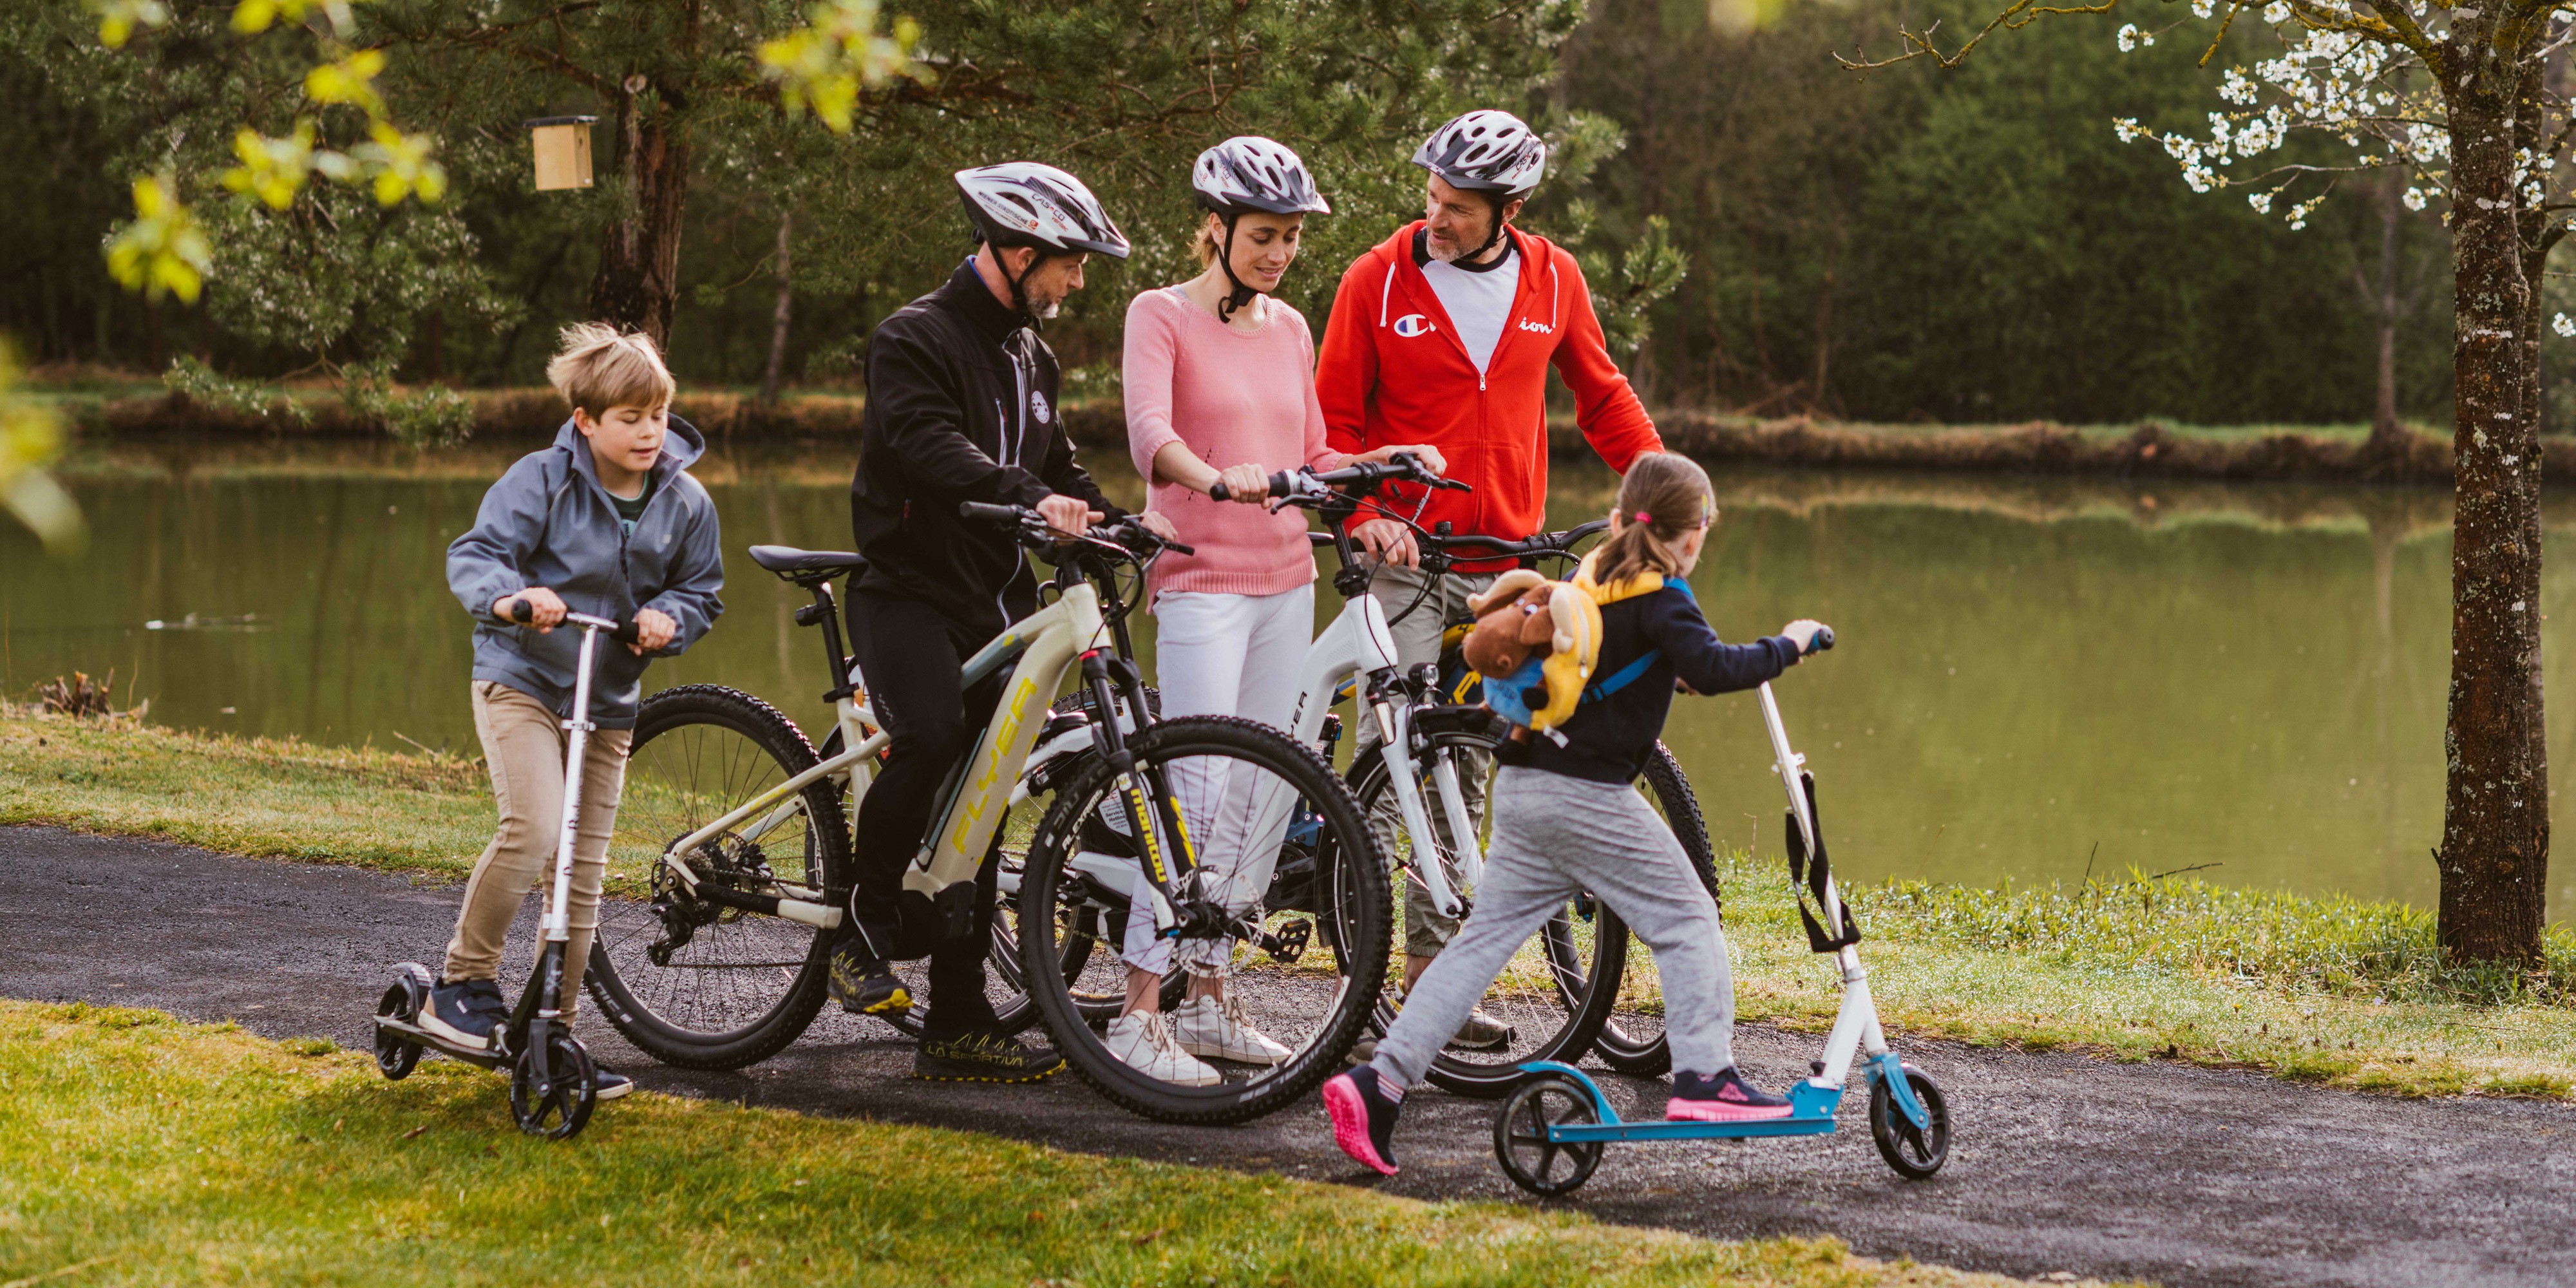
column 1143, row 1041
column 1364, row 1106
column 1481, row 1032
column 1216, row 1030
column 980, row 1056
column 863, row 985
column 609, row 1086
column 1721, row 1097
column 467, row 1012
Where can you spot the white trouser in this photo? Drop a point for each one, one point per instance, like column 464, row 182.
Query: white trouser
column 1218, row 655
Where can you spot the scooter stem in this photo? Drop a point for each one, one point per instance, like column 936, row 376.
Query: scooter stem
column 558, row 923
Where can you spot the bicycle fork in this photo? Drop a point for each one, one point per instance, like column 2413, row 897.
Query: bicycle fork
column 1162, row 839
column 1392, row 708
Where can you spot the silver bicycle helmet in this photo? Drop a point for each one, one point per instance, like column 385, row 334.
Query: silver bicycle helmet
column 1024, row 203
column 1251, row 173
column 1486, row 151
column 1248, row 173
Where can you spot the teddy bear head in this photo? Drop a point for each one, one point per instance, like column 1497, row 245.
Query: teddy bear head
column 1514, row 622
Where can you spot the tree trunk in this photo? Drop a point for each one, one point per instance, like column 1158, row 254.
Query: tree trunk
column 2494, row 855
column 778, row 319
column 638, row 280
column 2387, row 438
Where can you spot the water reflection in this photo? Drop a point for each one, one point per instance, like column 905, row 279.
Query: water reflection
column 2035, row 675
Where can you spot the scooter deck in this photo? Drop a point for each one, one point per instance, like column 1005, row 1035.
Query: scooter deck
column 1811, row 1113
column 489, row 1059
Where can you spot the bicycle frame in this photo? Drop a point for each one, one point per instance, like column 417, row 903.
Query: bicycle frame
column 1044, row 645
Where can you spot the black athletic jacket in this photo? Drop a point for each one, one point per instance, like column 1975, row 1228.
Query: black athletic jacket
column 961, row 407
column 1608, row 740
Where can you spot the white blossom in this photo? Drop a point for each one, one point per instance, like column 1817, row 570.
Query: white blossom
column 2563, row 324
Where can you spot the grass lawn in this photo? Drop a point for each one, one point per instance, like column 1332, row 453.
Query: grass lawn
column 2344, row 992
column 135, row 1149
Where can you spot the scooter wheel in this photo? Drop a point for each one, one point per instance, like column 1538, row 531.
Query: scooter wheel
column 1544, row 1167
column 403, row 1002
column 1915, row 1153
column 553, row 1088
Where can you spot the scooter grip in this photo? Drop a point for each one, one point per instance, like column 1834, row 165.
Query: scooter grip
column 1823, row 640
column 522, row 611
column 626, row 634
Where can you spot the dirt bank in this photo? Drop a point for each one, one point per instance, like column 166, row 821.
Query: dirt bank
column 2150, row 450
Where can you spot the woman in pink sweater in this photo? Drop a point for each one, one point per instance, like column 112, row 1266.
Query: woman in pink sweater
column 1220, row 388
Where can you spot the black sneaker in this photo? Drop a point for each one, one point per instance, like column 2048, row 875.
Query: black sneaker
column 864, row 985
column 1721, row 1097
column 978, row 1056
column 466, row 1012
column 609, row 1086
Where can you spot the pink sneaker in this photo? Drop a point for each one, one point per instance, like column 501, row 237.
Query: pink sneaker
column 1722, row 1097
column 1364, row 1118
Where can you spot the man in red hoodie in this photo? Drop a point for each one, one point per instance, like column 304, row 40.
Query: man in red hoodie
column 1442, row 335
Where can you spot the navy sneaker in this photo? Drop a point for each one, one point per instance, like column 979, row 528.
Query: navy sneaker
column 1364, row 1106
column 1721, row 1097
column 864, row 985
column 466, row 1012
column 609, row 1086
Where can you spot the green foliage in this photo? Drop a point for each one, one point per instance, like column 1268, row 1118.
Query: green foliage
column 1971, row 245
column 204, row 384
column 431, row 417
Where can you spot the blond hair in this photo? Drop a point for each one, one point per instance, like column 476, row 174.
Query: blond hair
column 600, row 367
column 1663, row 496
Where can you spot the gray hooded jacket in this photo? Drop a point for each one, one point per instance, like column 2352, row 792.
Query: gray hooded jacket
column 550, row 523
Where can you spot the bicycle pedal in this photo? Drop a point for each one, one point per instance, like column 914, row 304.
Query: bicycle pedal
column 1290, row 943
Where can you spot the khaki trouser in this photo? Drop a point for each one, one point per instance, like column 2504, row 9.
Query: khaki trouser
column 1417, row 640
column 524, row 743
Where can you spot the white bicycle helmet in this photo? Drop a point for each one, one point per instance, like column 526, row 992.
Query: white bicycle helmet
column 1249, row 173
column 1486, row 151
column 1023, row 203
column 1252, row 173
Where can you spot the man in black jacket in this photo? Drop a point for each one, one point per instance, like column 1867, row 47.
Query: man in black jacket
column 961, row 407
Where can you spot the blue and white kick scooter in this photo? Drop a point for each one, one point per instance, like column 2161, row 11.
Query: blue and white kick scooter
column 553, row 1082
column 1551, row 1131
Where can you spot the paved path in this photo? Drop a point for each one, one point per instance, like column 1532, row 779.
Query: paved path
column 2062, row 1163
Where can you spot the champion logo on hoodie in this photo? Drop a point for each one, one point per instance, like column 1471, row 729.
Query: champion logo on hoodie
column 1413, row 324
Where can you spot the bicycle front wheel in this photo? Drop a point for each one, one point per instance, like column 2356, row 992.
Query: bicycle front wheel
column 1301, row 968
column 689, row 981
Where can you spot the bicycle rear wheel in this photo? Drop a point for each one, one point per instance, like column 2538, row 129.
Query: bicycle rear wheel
column 1557, row 991
column 1632, row 1042
column 1304, row 973
column 691, row 982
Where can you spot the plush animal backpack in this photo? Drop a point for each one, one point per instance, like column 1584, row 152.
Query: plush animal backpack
column 1537, row 642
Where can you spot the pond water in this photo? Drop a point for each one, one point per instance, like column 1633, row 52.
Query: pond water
column 2033, row 677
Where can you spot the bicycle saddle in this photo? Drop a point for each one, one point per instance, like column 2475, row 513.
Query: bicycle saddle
column 806, row 565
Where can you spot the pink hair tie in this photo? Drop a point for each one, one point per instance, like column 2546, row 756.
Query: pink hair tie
column 1643, row 517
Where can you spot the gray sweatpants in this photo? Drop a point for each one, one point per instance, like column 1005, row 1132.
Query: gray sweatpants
column 1553, row 836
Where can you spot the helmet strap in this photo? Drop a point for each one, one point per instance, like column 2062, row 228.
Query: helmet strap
column 1478, row 254
column 1241, row 294
column 1020, row 298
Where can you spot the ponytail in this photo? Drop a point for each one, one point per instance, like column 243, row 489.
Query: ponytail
column 1663, row 496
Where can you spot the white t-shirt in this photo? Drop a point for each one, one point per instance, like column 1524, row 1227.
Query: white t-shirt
column 1479, row 303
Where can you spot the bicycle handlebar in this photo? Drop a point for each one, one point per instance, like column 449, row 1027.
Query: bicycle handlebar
column 1543, row 546
column 523, row 612
column 1311, row 486
column 1126, row 534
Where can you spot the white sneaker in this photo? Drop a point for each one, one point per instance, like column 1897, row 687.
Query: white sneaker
column 1143, row 1042
column 1217, row 1030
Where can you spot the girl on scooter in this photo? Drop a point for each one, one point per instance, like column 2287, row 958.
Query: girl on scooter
column 1220, row 388
column 1567, row 818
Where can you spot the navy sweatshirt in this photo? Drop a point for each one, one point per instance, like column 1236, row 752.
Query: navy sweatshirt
column 1609, row 739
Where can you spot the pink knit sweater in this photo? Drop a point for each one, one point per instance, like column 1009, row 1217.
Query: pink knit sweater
column 1232, row 397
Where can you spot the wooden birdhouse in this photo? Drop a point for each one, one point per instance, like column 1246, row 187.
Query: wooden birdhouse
column 563, row 151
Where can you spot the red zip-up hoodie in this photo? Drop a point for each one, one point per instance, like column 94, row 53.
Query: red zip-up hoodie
column 1393, row 370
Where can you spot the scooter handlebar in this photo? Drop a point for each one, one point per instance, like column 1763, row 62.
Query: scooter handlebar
column 523, row 612
column 1824, row 639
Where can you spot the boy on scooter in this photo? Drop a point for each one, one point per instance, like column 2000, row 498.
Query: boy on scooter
column 606, row 521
